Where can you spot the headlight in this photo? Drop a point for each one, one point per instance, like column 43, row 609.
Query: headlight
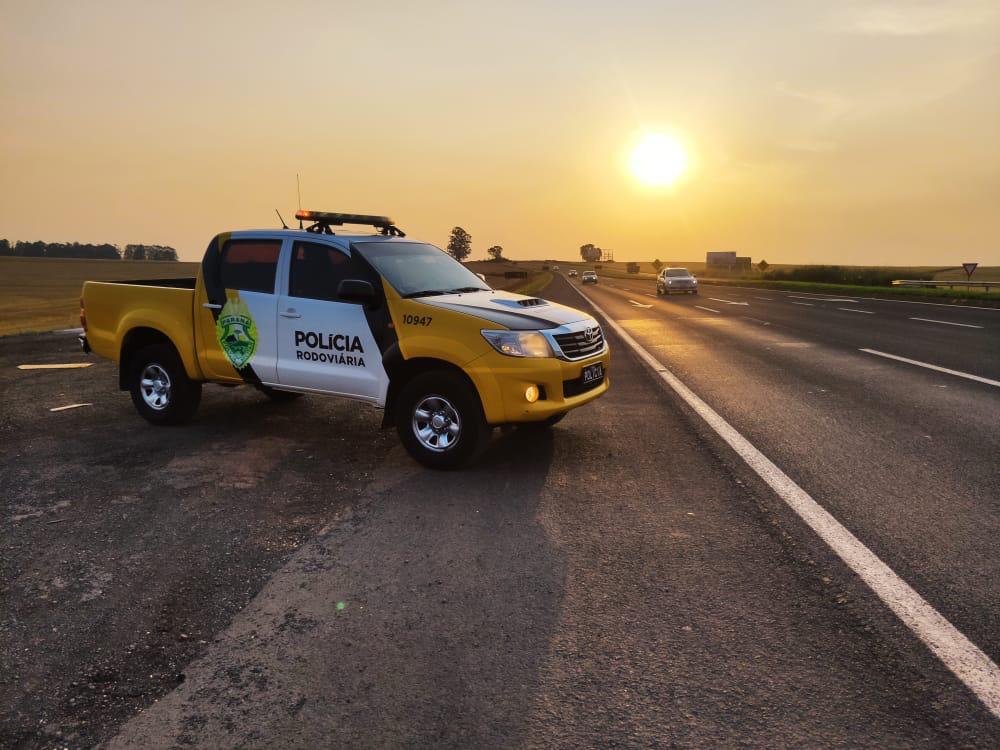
column 519, row 343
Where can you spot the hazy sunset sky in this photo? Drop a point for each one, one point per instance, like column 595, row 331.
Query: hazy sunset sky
column 841, row 132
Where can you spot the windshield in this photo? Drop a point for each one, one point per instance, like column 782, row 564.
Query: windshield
column 675, row 272
column 415, row 269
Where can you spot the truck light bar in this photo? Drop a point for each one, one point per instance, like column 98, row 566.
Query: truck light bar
column 325, row 219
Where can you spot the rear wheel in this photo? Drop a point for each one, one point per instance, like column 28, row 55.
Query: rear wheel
column 161, row 390
column 440, row 420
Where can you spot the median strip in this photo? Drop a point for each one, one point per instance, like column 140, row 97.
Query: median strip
column 960, row 655
column 918, row 363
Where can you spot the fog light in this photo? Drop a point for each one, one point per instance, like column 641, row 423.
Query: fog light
column 531, row 394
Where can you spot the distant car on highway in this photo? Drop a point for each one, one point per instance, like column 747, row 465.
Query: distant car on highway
column 680, row 280
column 572, row 272
column 589, row 277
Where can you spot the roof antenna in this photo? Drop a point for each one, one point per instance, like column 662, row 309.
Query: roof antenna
column 283, row 224
column 298, row 189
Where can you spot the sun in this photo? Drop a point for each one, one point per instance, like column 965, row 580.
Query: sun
column 658, row 160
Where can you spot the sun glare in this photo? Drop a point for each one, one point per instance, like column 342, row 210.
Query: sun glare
column 658, row 160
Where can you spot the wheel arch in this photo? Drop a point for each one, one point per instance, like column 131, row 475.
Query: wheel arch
column 138, row 338
column 401, row 371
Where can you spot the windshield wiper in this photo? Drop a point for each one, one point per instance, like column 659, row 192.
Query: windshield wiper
column 467, row 289
column 425, row 293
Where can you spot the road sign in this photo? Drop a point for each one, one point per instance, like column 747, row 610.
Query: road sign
column 969, row 268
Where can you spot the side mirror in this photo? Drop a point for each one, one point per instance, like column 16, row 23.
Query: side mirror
column 355, row 290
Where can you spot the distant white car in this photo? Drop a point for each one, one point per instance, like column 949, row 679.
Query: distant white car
column 671, row 280
column 589, row 277
column 572, row 272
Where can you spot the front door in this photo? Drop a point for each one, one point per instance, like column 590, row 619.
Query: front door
column 236, row 319
column 325, row 344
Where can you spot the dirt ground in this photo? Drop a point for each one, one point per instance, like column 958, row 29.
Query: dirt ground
column 126, row 546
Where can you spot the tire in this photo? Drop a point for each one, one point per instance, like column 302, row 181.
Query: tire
column 161, row 390
column 659, row 292
column 278, row 396
column 544, row 424
column 449, row 396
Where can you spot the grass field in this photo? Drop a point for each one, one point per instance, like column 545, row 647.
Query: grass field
column 43, row 294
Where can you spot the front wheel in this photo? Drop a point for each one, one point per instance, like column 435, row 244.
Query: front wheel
column 440, row 421
column 161, row 390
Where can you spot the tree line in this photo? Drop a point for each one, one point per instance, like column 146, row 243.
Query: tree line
column 104, row 251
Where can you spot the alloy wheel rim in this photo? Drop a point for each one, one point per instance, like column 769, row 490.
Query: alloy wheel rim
column 154, row 385
column 436, row 424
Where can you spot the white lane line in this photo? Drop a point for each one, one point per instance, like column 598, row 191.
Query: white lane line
column 929, row 366
column 769, row 299
column 706, row 308
column 946, row 323
column 70, row 406
column 960, row 655
column 851, row 309
column 639, row 304
column 729, row 301
column 804, row 304
column 885, row 299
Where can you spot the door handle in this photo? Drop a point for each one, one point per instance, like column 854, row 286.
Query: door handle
column 210, row 306
column 290, row 314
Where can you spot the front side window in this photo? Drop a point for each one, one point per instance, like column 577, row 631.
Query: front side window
column 415, row 269
column 250, row 265
column 317, row 271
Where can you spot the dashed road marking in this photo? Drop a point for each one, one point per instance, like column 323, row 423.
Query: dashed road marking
column 947, row 323
column 706, row 308
column 918, row 363
column 960, row 655
column 851, row 309
column 804, row 304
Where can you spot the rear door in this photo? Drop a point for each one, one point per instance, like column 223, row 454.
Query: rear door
column 326, row 344
column 236, row 321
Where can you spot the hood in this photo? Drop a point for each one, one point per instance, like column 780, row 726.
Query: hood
column 514, row 311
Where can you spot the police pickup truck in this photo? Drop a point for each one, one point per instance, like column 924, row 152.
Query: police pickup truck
column 374, row 317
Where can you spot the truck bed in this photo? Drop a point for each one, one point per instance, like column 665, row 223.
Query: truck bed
column 117, row 308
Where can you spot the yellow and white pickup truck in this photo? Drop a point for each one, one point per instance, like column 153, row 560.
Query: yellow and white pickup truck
column 376, row 317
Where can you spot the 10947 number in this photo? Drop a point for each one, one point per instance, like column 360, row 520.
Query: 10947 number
column 417, row 320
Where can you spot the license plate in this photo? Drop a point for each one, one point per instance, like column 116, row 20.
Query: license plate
column 592, row 373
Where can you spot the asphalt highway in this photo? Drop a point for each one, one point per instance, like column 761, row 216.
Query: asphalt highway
column 292, row 579
column 906, row 457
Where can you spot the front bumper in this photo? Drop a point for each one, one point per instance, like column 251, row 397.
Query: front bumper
column 502, row 381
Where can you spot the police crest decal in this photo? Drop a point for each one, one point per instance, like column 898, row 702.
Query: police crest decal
column 236, row 332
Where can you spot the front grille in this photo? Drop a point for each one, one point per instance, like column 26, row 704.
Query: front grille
column 581, row 344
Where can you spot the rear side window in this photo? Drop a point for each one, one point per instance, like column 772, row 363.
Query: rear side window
column 317, row 271
column 250, row 265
